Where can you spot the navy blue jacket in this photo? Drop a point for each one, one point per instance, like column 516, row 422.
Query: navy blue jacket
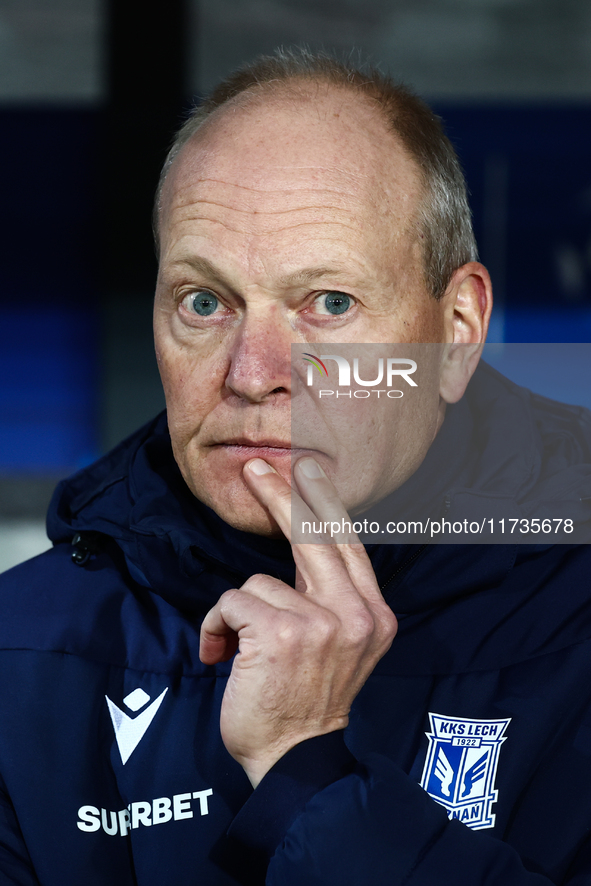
column 467, row 759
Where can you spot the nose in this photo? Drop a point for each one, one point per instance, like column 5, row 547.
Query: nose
column 260, row 361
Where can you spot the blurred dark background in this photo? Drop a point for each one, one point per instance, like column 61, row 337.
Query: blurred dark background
column 90, row 94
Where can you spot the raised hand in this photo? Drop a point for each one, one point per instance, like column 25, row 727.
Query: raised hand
column 304, row 652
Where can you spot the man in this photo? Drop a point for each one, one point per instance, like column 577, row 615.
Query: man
column 305, row 204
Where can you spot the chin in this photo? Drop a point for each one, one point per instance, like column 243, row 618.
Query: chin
column 252, row 519
column 234, row 503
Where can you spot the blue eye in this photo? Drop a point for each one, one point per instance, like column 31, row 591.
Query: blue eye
column 204, row 303
column 335, row 302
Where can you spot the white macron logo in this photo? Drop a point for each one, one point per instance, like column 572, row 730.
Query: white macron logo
column 129, row 731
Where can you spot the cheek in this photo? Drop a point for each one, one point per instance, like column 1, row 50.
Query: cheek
column 192, row 384
column 176, row 373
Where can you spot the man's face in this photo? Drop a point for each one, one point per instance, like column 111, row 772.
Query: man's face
column 286, row 221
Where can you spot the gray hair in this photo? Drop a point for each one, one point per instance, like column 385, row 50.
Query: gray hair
column 444, row 217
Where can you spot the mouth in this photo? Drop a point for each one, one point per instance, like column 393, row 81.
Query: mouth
column 246, row 445
column 269, row 447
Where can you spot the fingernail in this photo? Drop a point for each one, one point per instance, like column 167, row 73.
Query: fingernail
column 258, row 466
column 311, row 469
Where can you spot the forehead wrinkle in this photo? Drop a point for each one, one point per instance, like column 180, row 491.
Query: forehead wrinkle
column 350, row 185
column 355, row 177
column 273, row 230
column 263, row 212
column 236, row 202
column 353, row 271
column 346, row 210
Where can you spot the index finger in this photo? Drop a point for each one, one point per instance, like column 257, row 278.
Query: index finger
column 282, row 502
column 323, row 499
column 308, row 512
column 328, row 566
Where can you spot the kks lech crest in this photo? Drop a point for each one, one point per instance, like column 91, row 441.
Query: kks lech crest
column 461, row 767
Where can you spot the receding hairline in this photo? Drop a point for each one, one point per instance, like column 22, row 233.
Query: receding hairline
column 298, row 88
column 288, row 94
column 444, row 217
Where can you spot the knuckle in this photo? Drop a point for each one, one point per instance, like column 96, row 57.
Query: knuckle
column 287, row 635
column 229, row 600
column 388, row 626
column 326, row 628
column 229, row 597
column 257, row 578
column 355, row 550
column 373, row 628
column 291, row 635
column 365, row 624
column 258, row 582
column 360, row 628
column 315, row 551
column 389, row 622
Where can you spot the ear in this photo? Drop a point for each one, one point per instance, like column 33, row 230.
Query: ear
column 467, row 305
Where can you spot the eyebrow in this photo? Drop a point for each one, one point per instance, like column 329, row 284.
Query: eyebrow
column 297, row 278
column 200, row 265
column 310, row 275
